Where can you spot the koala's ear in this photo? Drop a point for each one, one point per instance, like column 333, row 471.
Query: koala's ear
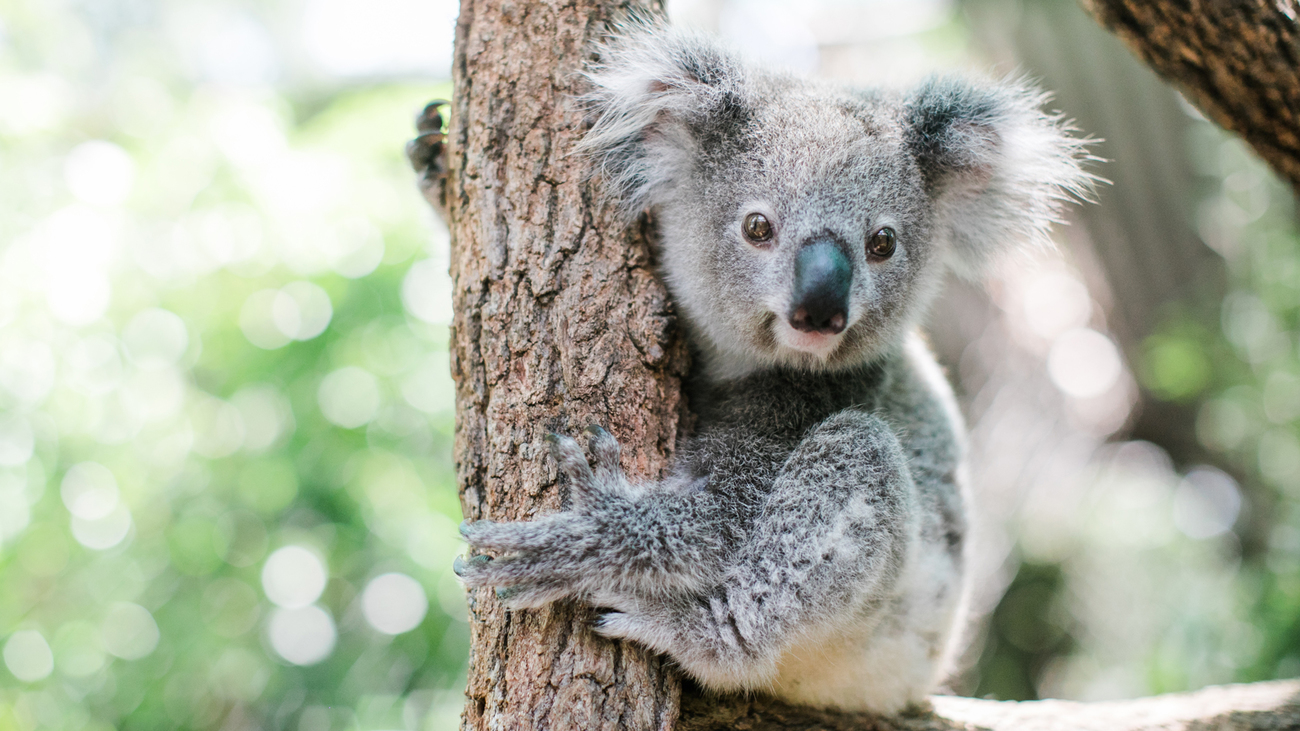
column 653, row 90
column 999, row 169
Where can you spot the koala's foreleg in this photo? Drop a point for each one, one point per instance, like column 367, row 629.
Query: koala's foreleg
column 830, row 540
column 617, row 540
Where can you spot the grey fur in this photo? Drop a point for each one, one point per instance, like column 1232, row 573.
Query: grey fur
column 809, row 541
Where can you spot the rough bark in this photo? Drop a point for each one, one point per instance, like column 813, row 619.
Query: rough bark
column 559, row 323
column 1238, row 60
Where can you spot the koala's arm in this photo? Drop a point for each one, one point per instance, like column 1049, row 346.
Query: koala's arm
column 832, row 534
column 616, row 540
column 831, row 530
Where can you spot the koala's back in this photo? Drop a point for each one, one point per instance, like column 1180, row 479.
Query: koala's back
column 889, row 641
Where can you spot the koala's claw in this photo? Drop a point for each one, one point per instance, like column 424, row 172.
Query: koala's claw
column 528, row 579
column 485, row 571
column 573, row 463
column 462, row 566
column 428, row 155
column 430, row 118
column 602, row 449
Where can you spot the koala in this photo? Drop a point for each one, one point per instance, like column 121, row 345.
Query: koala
column 808, row 542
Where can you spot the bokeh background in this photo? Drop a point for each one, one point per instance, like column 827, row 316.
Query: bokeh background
column 226, row 497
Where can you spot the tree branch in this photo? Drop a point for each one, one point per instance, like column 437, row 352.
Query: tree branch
column 1274, row 705
column 1238, row 60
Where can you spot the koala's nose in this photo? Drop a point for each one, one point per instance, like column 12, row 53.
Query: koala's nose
column 822, row 275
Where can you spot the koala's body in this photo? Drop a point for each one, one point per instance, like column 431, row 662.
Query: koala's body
column 809, row 541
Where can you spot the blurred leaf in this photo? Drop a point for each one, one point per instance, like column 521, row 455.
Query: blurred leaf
column 1175, row 368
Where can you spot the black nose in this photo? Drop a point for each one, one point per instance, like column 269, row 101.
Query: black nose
column 822, row 275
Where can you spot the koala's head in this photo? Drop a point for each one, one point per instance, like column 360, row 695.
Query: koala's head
column 806, row 225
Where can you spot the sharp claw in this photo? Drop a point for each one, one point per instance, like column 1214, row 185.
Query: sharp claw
column 460, row 565
column 430, row 119
column 563, row 447
column 602, row 449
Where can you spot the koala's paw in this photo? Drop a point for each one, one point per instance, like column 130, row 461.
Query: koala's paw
column 628, row 625
column 538, row 566
column 666, row 631
column 714, row 654
column 428, row 155
column 666, row 626
column 566, row 554
column 517, row 585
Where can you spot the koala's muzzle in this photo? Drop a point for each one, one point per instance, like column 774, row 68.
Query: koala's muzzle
column 822, row 275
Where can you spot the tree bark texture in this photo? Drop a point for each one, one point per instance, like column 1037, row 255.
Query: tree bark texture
column 1238, row 60
column 559, row 323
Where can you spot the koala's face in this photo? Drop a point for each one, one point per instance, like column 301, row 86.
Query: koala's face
column 801, row 235
column 807, row 226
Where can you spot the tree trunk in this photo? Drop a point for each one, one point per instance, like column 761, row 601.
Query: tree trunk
column 1238, row 60
column 559, row 323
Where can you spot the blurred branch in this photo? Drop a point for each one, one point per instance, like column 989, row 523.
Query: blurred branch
column 1274, row 705
column 1238, row 61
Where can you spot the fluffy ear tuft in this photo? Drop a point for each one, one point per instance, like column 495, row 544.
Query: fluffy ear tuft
column 999, row 169
column 652, row 86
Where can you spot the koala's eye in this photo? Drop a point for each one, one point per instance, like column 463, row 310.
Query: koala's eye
column 757, row 228
column 881, row 244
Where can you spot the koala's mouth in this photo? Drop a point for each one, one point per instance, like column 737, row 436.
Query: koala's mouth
column 820, row 344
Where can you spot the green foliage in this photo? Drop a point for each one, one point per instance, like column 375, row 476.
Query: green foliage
column 1151, row 577
column 226, row 497
column 1251, row 417
column 1176, row 368
column 1029, row 628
